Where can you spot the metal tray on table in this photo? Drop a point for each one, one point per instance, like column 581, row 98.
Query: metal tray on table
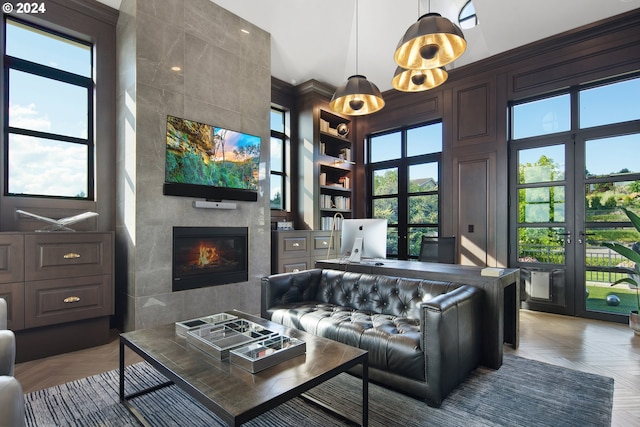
column 184, row 326
column 218, row 340
column 264, row 354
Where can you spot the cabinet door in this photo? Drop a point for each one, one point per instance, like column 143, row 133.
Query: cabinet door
column 58, row 255
column 11, row 258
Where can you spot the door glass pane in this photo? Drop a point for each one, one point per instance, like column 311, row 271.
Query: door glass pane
column 613, row 103
column 541, row 245
column 415, row 238
column 386, row 208
column 544, row 164
column 616, row 155
column 604, row 198
column 58, row 169
column 542, row 117
column 424, row 140
column 541, row 204
column 385, row 181
column 276, row 192
column 46, row 105
column 423, row 209
column 385, row 147
column 47, row 49
column 276, row 155
column 423, row 177
column 605, row 266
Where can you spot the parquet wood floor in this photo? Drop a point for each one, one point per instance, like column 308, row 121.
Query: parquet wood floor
column 602, row 348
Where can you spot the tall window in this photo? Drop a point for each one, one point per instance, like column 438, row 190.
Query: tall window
column 404, row 172
column 48, row 131
column 280, row 161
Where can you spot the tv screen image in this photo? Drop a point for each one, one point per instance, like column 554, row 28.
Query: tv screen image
column 364, row 238
column 211, row 162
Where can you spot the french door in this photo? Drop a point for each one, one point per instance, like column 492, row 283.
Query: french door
column 568, row 180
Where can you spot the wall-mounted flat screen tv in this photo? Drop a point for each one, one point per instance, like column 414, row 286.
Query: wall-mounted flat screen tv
column 210, row 162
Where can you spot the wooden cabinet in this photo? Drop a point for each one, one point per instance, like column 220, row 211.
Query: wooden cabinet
column 326, row 159
column 58, row 285
column 299, row 249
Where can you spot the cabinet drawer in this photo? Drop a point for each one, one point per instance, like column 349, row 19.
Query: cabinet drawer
column 323, row 246
column 290, row 267
column 294, row 245
column 11, row 258
column 56, row 255
column 65, row 300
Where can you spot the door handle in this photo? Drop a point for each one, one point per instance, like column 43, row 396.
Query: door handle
column 567, row 238
column 582, row 235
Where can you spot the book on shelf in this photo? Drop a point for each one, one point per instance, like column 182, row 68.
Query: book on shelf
column 345, row 154
column 345, row 181
column 328, row 223
column 323, row 178
column 324, row 126
column 323, row 148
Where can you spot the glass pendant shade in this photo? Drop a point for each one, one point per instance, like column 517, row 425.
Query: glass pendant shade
column 432, row 42
column 418, row 80
column 357, row 97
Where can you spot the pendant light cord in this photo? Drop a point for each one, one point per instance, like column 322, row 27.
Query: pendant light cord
column 357, row 31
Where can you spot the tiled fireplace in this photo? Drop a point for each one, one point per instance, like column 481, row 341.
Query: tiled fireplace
column 209, row 256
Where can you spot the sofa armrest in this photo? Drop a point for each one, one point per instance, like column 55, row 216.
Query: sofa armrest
column 287, row 288
column 451, row 327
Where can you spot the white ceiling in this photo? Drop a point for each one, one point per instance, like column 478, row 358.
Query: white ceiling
column 317, row 39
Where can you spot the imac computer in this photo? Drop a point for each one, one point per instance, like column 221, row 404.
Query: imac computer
column 364, row 238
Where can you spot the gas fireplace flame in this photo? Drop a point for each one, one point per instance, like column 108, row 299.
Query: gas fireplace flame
column 207, row 255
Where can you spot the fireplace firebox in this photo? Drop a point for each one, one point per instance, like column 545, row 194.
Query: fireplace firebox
column 209, row 256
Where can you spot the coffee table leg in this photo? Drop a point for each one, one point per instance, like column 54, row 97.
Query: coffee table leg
column 121, row 371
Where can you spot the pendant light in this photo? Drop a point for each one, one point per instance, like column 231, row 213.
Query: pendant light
column 357, row 96
column 418, row 80
column 433, row 41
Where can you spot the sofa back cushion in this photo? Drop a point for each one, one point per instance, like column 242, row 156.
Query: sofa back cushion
column 372, row 293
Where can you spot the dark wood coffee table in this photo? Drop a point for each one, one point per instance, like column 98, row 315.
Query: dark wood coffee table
column 230, row 392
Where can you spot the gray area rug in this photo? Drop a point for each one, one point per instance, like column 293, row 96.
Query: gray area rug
column 522, row 392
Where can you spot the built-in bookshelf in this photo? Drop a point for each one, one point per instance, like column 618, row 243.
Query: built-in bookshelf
column 334, row 161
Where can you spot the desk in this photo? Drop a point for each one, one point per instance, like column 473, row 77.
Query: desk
column 502, row 295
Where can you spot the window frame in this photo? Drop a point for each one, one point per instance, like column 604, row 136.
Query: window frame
column 40, row 70
column 403, row 165
column 285, row 189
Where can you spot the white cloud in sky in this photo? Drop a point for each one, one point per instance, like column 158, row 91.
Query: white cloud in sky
column 28, row 118
column 41, row 166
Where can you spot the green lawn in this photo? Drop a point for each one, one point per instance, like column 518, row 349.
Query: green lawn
column 597, row 295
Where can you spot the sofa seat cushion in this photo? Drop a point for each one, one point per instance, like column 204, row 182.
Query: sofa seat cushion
column 393, row 342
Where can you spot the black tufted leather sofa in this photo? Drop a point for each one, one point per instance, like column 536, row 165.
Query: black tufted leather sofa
column 423, row 336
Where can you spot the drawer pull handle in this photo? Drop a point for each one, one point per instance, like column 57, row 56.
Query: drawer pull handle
column 325, row 243
column 71, row 255
column 295, row 245
column 69, row 300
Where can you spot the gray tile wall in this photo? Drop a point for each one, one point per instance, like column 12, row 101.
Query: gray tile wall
column 225, row 80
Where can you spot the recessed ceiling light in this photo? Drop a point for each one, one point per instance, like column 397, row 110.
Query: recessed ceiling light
column 175, row 68
column 245, row 31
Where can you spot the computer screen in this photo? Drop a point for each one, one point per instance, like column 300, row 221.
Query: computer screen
column 364, row 238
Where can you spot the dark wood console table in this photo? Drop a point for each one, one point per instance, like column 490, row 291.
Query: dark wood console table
column 502, row 295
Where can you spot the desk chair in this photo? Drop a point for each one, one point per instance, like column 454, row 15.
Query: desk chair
column 438, row 249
